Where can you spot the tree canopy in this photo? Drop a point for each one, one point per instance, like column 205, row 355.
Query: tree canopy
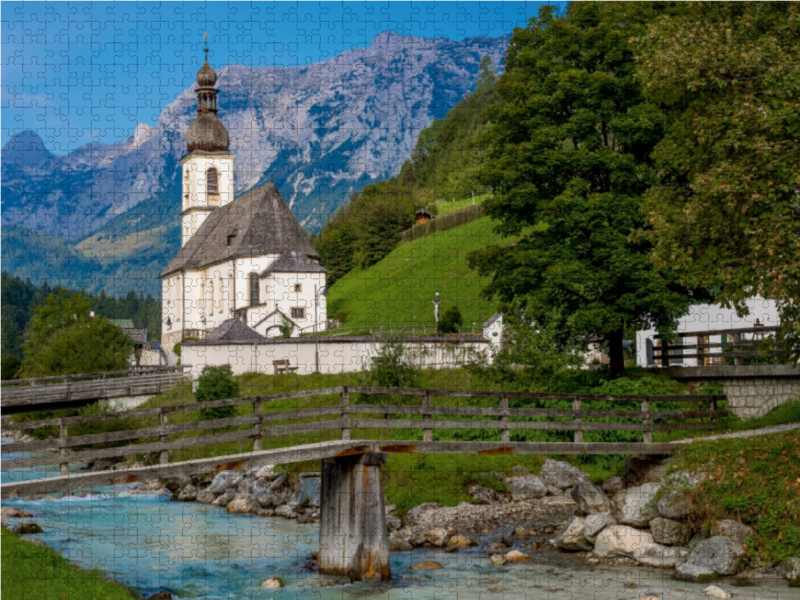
column 570, row 161
column 64, row 338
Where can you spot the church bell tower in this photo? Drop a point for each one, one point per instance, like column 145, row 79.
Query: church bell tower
column 208, row 167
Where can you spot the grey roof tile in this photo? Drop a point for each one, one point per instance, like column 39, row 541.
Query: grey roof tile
column 233, row 330
column 294, row 262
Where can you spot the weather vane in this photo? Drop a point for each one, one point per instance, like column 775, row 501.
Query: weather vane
column 205, row 37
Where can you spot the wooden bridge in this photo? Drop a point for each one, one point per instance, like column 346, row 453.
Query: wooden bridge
column 487, row 423
column 70, row 391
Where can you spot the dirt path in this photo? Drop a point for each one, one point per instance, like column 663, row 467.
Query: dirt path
column 744, row 433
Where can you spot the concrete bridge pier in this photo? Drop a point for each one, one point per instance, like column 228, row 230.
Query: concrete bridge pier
column 352, row 536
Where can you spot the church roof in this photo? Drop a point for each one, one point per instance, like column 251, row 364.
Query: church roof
column 233, row 330
column 293, row 262
column 255, row 224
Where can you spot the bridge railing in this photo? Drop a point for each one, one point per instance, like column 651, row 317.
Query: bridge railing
column 354, row 409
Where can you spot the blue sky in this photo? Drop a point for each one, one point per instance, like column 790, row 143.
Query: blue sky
column 77, row 72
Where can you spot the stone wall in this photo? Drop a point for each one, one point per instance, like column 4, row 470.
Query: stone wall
column 752, row 390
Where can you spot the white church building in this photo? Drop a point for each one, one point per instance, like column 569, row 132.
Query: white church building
column 244, row 258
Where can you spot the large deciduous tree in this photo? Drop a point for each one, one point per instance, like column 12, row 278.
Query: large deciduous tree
column 727, row 210
column 64, row 337
column 570, row 160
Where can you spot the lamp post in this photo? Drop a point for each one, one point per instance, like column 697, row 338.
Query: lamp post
column 324, row 291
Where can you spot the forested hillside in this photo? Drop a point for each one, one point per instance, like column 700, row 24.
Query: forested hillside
column 444, row 164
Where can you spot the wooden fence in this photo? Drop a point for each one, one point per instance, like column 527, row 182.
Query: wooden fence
column 735, row 347
column 344, row 416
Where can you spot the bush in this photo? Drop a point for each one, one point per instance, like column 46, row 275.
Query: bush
column 451, row 321
column 391, row 367
column 217, row 383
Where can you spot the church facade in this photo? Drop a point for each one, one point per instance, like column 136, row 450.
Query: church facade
column 244, row 258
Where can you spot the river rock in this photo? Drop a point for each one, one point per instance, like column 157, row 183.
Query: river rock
column 176, row 482
column 612, row 485
column 14, row 513
column 657, row 555
column 590, row 498
column 572, row 536
column 526, row 487
column 460, row 541
column 621, row 540
column 286, row 511
column 790, row 570
column 393, row 523
column 397, row 544
column 643, row 470
column 687, row 570
column 713, row 591
column 186, row 494
column 595, row 523
column 272, row 583
column 635, row 505
column 206, row 497
column 734, row 530
column 224, row 481
column 498, row 560
column 224, row 499
column 265, row 472
column 427, row 565
column 162, row 595
column 424, row 514
column 516, row 556
column 482, row 495
column 720, row 554
column 561, row 474
column 676, row 504
column 26, row 528
column 243, row 504
column 668, row 531
column 438, row 537
column 265, row 499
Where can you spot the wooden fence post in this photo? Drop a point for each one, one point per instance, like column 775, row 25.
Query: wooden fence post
column 257, row 424
column 504, row 435
column 427, row 432
column 578, row 433
column 63, row 449
column 648, row 432
column 163, row 456
column 713, row 407
column 345, row 414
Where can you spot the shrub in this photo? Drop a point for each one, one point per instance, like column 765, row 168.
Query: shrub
column 217, row 383
column 391, row 367
column 286, row 328
column 451, row 321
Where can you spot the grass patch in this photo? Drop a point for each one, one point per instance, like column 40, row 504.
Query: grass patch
column 37, row 572
column 752, row 480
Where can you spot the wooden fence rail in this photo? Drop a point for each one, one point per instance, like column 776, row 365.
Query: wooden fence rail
column 346, row 415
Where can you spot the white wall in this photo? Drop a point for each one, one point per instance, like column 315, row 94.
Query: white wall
column 712, row 317
column 335, row 356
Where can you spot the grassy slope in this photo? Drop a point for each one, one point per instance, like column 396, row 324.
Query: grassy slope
column 753, row 480
column 32, row 572
column 446, row 208
column 400, row 288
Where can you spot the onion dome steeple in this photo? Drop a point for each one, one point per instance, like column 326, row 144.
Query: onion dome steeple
column 207, row 133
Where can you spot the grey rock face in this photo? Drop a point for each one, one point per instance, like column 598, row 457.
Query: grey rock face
column 668, row 531
column 224, row 481
column 561, row 474
column 720, row 554
column 734, row 530
column 572, row 536
column 596, row 523
column 634, row 506
column 590, row 498
column 675, row 505
column 526, row 487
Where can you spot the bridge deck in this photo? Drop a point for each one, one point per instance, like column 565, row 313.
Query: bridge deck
column 319, row 450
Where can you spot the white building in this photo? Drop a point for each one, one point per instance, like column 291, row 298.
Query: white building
column 243, row 258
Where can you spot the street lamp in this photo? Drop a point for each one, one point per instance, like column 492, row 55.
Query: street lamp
column 324, row 291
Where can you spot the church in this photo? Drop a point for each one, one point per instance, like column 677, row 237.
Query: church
column 242, row 259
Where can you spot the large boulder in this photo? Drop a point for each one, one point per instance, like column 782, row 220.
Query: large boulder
column 572, row 536
column 676, row 504
column 243, row 504
column 438, row 537
column 561, row 474
column 687, row 570
column 590, row 498
column 636, row 505
column 790, row 570
column 225, row 481
column 526, row 487
column 621, row 540
column 668, row 531
column 719, row 554
column 27, row 528
column 205, row 497
column 596, row 523
column 482, row 495
column 734, row 530
column 423, row 514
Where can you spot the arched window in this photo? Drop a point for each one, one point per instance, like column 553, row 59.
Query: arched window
column 212, row 180
column 254, row 298
column 210, row 298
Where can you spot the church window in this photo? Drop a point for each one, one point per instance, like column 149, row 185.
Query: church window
column 212, row 180
column 298, row 287
column 298, row 313
column 210, row 298
column 254, row 296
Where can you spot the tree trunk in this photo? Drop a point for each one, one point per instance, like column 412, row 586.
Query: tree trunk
column 616, row 355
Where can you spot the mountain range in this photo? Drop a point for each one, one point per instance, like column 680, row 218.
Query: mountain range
column 105, row 216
